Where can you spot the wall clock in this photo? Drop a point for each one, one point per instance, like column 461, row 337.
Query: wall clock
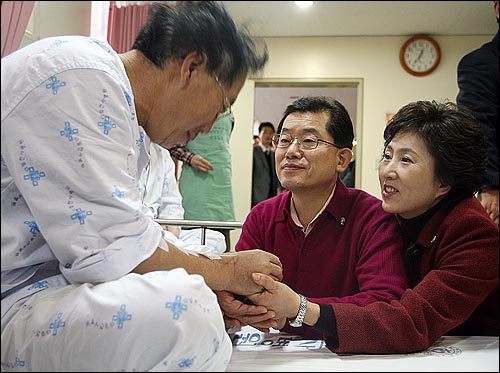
column 420, row 55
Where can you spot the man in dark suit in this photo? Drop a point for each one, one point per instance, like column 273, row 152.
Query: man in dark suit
column 265, row 183
column 478, row 91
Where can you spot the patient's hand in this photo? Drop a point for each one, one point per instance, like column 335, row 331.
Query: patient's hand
column 243, row 264
column 238, row 313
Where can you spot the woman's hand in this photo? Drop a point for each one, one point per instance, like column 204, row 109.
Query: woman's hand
column 201, row 163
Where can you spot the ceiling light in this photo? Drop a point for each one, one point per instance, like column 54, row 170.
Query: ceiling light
column 304, row 4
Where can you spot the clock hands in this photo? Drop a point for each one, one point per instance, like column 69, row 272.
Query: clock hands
column 419, row 56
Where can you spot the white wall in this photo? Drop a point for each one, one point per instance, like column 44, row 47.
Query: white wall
column 53, row 18
column 373, row 60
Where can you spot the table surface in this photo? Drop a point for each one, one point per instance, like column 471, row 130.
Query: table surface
column 280, row 352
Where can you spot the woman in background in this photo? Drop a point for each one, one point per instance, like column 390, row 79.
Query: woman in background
column 207, row 194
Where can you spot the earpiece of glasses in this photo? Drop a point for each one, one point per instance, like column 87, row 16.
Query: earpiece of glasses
column 226, row 105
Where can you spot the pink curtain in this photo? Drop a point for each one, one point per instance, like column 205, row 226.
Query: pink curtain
column 124, row 24
column 15, row 18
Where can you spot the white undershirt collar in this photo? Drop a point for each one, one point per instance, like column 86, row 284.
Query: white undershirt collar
column 295, row 216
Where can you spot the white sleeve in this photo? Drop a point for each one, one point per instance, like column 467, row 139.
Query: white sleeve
column 171, row 198
column 75, row 158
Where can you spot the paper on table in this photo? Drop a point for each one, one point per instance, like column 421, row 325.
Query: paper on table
column 251, row 339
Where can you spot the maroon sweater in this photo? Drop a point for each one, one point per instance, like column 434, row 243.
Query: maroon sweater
column 456, row 291
column 352, row 254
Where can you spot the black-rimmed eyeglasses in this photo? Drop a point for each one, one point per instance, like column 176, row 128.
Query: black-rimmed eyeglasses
column 308, row 142
column 226, row 104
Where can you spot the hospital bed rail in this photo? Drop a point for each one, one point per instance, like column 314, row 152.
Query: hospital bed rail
column 203, row 224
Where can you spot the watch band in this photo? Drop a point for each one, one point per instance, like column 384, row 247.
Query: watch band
column 297, row 322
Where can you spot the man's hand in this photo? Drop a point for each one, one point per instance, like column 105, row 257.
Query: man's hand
column 276, row 296
column 201, row 163
column 489, row 199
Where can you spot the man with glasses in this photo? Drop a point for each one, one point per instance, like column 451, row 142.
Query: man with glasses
column 88, row 281
column 336, row 244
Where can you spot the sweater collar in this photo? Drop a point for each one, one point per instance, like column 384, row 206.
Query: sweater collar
column 412, row 227
column 424, row 228
column 338, row 207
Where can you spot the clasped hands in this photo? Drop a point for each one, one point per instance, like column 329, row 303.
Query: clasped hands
column 268, row 305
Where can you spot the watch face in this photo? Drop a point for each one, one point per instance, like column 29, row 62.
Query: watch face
column 420, row 55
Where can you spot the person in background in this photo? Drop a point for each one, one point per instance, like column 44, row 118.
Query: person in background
column 430, row 169
column 208, row 191
column 161, row 193
column 477, row 77
column 255, row 140
column 265, row 183
column 88, row 281
column 181, row 153
column 336, row 244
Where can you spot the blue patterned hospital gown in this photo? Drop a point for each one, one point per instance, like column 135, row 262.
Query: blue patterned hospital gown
column 74, row 226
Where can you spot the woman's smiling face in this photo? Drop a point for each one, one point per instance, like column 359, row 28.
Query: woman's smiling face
column 406, row 174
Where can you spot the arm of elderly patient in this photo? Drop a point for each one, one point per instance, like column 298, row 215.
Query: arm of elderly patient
column 232, row 272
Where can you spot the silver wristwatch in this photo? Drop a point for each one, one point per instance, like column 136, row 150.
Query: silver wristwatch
column 297, row 322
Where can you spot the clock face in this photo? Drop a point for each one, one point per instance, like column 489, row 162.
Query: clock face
column 420, row 55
